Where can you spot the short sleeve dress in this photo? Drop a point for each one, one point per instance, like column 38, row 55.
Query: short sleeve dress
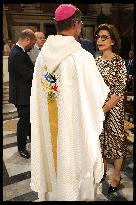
column 113, row 138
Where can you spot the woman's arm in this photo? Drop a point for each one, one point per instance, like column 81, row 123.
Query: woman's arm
column 112, row 102
column 120, row 84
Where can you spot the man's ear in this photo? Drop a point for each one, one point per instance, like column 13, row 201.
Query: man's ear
column 75, row 24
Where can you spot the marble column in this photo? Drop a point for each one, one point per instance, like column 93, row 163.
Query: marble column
column 5, row 28
column 5, row 69
column 42, row 29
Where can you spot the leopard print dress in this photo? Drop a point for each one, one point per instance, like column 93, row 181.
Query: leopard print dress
column 113, row 138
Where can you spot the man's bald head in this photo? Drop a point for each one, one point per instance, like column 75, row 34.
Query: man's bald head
column 27, row 39
column 27, row 33
column 40, row 39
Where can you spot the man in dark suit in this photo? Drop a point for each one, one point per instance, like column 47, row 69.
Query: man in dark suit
column 20, row 81
column 130, row 71
column 87, row 45
column 130, row 63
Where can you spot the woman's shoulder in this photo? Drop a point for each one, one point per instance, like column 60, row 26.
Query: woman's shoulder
column 119, row 64
column 118, row 59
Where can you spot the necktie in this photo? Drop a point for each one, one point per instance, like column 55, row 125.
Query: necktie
column 39, row 49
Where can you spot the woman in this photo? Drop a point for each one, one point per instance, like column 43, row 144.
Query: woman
column 112, row 68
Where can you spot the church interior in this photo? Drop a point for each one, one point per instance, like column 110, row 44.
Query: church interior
column 40, row 17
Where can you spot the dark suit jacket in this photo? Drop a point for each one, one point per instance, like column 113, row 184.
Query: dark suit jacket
column 130, row 67
column 20, row 76
column 87, row 45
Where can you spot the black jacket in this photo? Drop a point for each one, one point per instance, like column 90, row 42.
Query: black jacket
column 130, row 66
column 20, row 76
column 87, row 45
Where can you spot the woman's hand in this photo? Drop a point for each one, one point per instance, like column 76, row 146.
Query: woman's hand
column 112, row 102
column 106, row 108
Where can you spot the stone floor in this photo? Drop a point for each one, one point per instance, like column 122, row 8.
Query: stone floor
column 17, row 171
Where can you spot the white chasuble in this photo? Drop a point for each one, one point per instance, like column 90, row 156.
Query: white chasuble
column 66, row 116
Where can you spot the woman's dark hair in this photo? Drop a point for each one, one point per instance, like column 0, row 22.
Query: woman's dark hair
column 67, row 24
column 114, row 35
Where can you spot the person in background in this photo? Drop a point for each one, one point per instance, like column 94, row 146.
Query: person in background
column 66, row 166
column 8, row 46
column 87, row 45
column 20, row 82
column 112, row 68
column 130, row 71
column 40, row 40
